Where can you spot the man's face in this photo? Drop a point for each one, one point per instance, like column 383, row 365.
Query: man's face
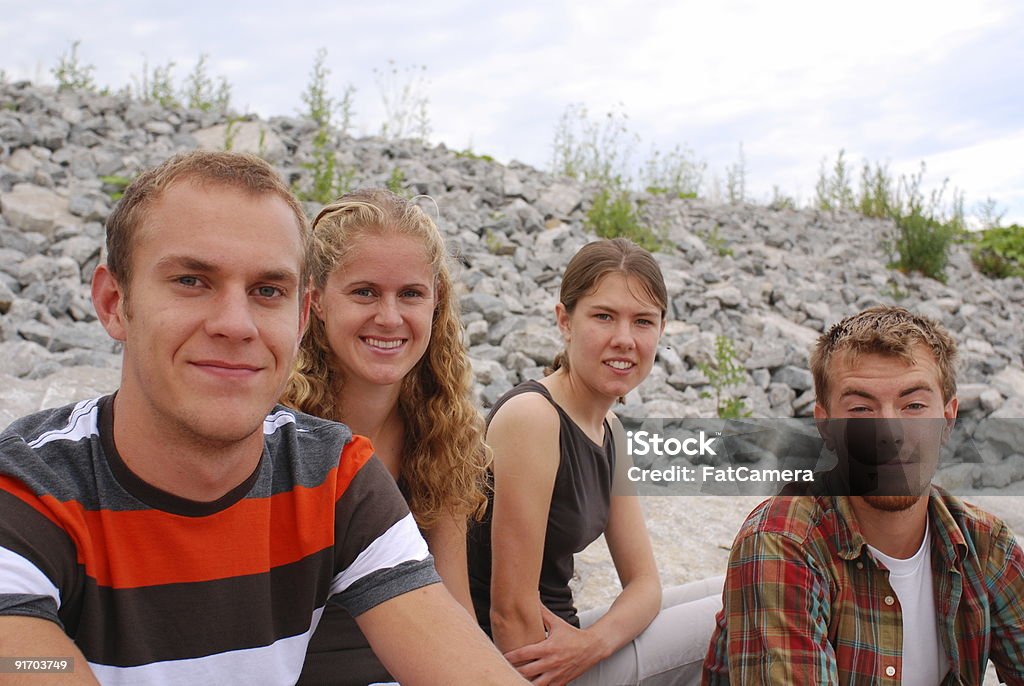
column 216, row 311
column 888, row 424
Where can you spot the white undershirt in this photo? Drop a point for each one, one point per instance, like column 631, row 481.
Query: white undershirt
column 924, row 663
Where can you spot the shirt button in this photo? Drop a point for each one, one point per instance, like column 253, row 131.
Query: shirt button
column 890, row 671
column 860, row 565
column 889, row 600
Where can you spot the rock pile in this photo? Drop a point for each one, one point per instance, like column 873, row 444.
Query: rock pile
column 770, row 279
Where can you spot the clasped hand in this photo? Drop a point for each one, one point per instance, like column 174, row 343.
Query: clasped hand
column 563, row 655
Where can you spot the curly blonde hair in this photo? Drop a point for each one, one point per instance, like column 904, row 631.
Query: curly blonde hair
column 444, row 460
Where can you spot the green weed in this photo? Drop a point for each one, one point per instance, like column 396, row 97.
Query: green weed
column 115, row 185
column 468, row 154
column 677, row 173
column 723, row 373
column 403, row 93
column 614, row 214
column 924, row 232
column 999, row 251
column 328, row 180
column 834, row 192
column 396, row 183
column 736, row 179
column 71, row 73
column 202, row 92
column 156, row 86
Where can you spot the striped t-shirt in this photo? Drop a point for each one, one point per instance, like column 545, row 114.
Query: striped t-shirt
column 154, row 588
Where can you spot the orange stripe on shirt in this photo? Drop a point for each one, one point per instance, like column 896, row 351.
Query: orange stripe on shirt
column 152, row 547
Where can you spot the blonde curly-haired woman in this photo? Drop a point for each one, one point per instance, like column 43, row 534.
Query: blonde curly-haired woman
column 384, row 354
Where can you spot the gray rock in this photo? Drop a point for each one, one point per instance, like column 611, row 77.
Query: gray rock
column 6, row 298
column 36, row 332
column 40, row 268
column 19, row 358
column 81, row 249
column 729, row 296
column 75, row 335
column 538, row 342
column 248, row 136
column 1009, row 382
column 958, row 478
column 486, row 372
column 492, row 393
column 794, row 377
column 491, row 307
column 969, row 395
column 990, row 400
column 476, row 332
column 559, row 200
column 20, row 397
column 90, row 205
column 33, row 208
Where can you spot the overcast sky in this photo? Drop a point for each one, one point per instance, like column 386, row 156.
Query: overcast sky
column 897, row 81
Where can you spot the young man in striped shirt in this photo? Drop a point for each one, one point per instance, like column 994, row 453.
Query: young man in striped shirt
column 185, row 530
column 883, row 578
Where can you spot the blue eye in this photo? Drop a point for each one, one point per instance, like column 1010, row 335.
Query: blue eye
column 188, row 281
column 269, row 291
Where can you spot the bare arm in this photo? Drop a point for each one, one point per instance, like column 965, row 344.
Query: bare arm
column 523, row 435
column 631, row 551
column 567, row 652
column 425, row 637
column 36, row 637
column 447, row 543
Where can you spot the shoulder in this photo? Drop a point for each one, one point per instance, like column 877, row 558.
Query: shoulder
column 51, row 452
column 805, row 521
column 984, row 533
column 525, row 412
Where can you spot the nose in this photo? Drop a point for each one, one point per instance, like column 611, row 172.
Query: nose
column 622, row 337
column 889, row 431
column 232, row 317
column 387, row 313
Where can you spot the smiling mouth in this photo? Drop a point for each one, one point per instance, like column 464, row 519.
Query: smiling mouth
column 230, row 369
column 383, row 344
column 621, row 365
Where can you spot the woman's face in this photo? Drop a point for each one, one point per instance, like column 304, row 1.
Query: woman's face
column 612, row 335
column 377, row 308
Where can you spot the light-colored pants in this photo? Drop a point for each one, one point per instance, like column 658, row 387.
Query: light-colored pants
column 671, row 650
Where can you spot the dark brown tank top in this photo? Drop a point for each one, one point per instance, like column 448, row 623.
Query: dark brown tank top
column 580, row 501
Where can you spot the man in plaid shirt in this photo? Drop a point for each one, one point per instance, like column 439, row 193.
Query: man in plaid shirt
column 878, row 583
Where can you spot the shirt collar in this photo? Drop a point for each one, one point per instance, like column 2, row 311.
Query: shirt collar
column 850, row 543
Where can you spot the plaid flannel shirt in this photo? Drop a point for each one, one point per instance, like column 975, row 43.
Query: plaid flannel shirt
column 806, row 603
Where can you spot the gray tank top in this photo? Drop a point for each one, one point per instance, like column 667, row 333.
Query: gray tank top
column 580, row 501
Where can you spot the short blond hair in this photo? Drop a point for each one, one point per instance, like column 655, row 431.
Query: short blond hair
column 243, row 172
column 884, row 330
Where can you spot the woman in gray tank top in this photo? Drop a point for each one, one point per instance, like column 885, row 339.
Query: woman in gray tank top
column 557, row 447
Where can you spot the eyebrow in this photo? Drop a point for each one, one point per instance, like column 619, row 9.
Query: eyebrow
column 352, row 284
column 645, row 313
column 194, row 264
column 902, row 394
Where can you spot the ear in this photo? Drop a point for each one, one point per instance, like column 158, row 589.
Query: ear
column 821, row 423
column 564, row 321
column 949, row 412
column 108, row 301
column 313, row 293
column 304, row 305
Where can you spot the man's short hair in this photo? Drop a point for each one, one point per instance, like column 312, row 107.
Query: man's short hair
column 243, row 172
column 884, row 330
